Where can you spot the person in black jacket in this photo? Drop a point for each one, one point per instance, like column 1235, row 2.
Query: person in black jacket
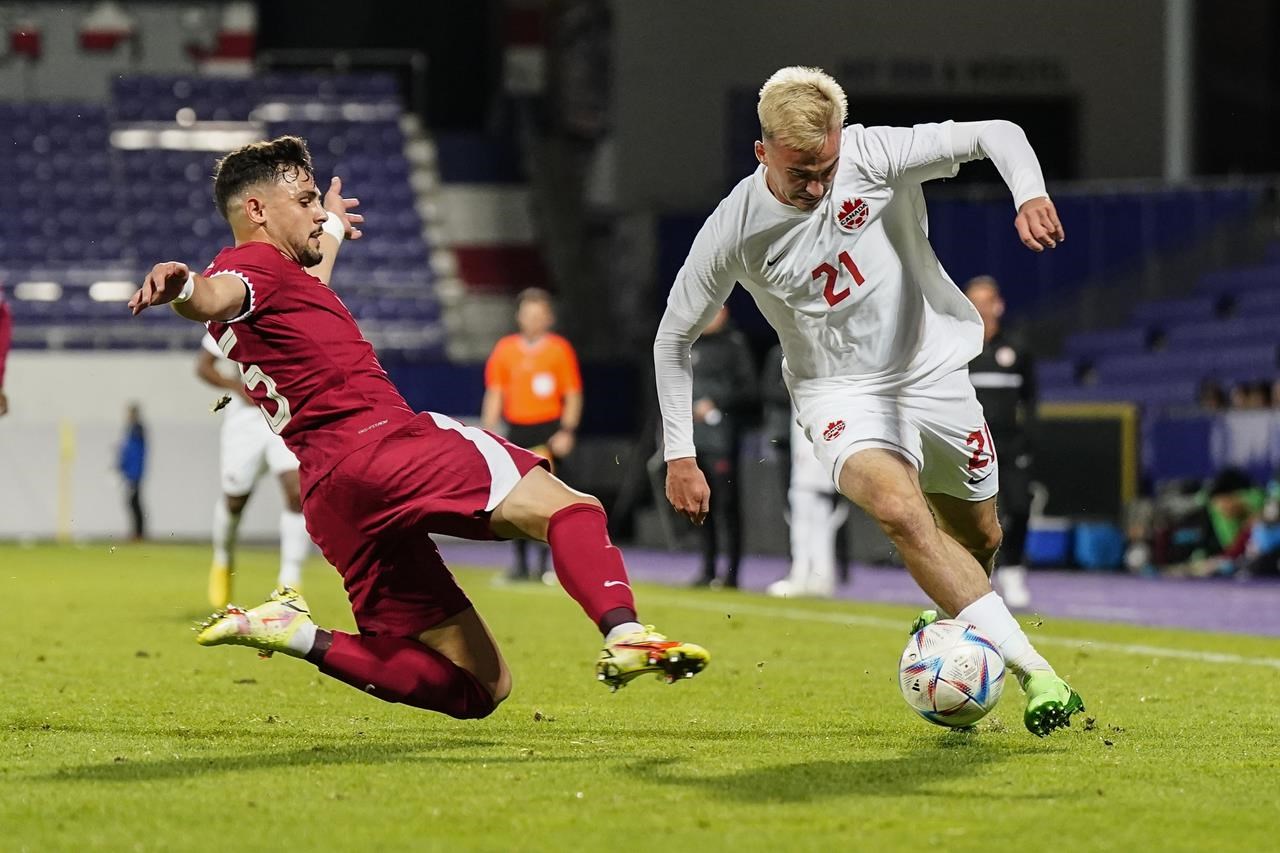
column 724, row 394
column 1004, row 377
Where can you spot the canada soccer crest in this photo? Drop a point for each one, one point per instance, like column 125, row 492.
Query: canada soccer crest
column 852, row 214
column 833, row 430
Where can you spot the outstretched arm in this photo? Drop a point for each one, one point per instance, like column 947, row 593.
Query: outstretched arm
column 342, row 225
column 195, row 297
column 1005, row 144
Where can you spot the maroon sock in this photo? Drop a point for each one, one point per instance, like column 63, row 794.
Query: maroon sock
column 588, row 566
column 399, row 670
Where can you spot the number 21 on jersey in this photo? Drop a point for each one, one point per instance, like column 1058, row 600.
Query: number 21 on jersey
column 254, row 377
column 829, row 291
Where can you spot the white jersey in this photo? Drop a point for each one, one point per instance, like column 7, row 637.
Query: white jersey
column 248, row 447
column 852, row 287
column 237, row 415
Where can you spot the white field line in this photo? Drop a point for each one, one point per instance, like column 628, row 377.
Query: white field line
column 1140, row 650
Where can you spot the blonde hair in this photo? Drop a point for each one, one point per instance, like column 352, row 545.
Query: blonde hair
column 799, row 105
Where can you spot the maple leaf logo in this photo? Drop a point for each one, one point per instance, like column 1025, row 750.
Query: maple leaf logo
column 853, row 214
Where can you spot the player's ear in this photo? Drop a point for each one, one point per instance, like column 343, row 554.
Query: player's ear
column 760, row 152
column 254, row 209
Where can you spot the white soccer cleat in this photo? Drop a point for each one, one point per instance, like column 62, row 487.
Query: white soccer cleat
column 1012, row 581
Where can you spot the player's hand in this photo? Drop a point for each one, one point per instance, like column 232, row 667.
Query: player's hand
column 1038, row 225
column 4, row 404
column 162, row 284
column 560, row 443
column 687, row 489
column 335, row 203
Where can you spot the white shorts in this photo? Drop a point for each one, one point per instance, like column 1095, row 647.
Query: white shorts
column 937, row 426
column 249, row 450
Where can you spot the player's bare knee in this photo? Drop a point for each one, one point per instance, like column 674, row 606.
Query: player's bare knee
column 236, row 503
column 900, row 518
column 502, row 689
column 585, row 500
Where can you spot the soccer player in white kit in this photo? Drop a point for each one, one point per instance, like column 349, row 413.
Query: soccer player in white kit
column 249, row 449
column 830, row 237
column 815, row 520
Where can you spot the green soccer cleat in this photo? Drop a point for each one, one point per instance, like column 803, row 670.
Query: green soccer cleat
column 1050, row 703
column 267, row 627
column 646, row 651
column 926, row 618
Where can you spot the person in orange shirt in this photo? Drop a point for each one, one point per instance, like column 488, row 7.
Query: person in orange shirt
column 532, row 383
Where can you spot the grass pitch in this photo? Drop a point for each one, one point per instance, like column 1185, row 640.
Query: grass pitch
column 117, row 732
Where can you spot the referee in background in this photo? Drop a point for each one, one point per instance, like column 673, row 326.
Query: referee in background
column 1004, row 377
column 533, row 385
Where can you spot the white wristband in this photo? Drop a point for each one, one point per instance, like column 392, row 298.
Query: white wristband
column 334, row 228
column 187, row 289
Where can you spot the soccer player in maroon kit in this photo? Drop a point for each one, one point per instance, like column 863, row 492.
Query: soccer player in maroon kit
column 377, row 478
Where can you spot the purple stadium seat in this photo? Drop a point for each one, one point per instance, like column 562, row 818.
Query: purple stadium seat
column 1246, row 328
column 1193, row 363
column 1240, row 280
column 1107, row 342
column 1253, row 302
column 1151, row 394
column 1167, row 311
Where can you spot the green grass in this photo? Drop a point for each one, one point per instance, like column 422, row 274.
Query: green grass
column 117, row 732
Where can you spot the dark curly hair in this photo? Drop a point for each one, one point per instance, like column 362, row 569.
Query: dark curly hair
column 257, row 163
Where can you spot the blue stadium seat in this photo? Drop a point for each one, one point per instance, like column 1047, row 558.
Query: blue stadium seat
column 1165, row 311
column 1107, row 342
column 1239, row 280
column 1248, row 328
column 1193, row 363
column 1179, row 392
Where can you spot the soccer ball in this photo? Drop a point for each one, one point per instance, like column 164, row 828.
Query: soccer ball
column 951, row 674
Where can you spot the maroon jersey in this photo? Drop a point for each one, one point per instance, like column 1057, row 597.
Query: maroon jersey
column 304, row 361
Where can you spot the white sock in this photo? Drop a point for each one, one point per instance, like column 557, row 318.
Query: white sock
column 294, row 544
column 992, row 618
column 302, row 641
column 621, row 631
column 226, row 526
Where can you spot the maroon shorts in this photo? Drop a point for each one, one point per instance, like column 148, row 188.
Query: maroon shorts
column 371, row 514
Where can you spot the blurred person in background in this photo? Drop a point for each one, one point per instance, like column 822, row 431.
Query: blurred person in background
column 777, row 414
column 1212, row 398
column 1004, row 377
column 829, row 235
column 815, row 511
column 1234, row 504
column 534, row 386
column 131, row 462
column 6, row 338
column 247, row 450
column 1247, row 396
column 724, row 395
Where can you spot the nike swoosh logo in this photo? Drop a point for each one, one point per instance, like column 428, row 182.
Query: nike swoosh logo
column 775, row 260
column 974, row 482
column 608, row 584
